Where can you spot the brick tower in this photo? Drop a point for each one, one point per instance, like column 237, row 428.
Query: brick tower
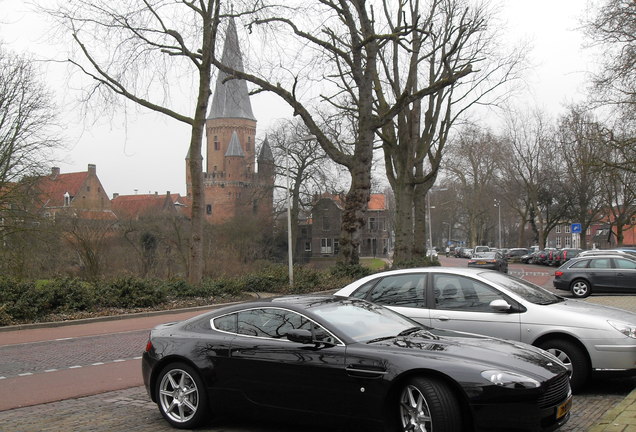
column 232, row 184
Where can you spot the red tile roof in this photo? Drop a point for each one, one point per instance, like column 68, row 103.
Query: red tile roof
column 52, row 188
column 135, row 206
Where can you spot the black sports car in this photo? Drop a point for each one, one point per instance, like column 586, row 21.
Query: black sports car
column 351, row 359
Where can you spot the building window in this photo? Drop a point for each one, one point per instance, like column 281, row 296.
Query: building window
column 558, row 229
column 249, row 143
column 372, row 224
column 67, row 199
column 208, row 209
column 255, row 206
column 567, row 229
column 558, row 242
column 88, row 188
column 326, row 246
column 325, row 223
column 217, row 146
column 568, row 242
column 307, row 245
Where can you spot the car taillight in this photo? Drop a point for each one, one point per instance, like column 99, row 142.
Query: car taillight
column 558, row 273
column 148, row 346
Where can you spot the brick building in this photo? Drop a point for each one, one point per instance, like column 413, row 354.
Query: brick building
column 319, row 234
column 234, row 185
column 79, row 194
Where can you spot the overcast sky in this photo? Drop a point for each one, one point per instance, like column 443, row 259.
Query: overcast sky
column 147, row 153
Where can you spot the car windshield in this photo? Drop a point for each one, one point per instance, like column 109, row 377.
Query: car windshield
column 363, row 321
column 486, row 255
column 528, row 291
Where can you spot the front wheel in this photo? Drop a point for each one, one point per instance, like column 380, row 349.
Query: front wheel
column 426, row 405
column 181, row 396
column 572, row 357
column 581, row 288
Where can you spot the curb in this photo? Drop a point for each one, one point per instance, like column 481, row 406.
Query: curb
column 621, row 418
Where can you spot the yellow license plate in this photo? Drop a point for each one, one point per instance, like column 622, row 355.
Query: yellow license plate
column 564, row 408
column 481, row 262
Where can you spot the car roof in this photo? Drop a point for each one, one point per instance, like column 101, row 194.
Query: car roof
column 601, row 256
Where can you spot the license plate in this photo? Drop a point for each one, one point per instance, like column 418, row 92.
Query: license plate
column 564, row 408
column 481, row 262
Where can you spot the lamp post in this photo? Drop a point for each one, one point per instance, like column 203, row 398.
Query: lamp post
column 290, row 249
column 430, row 225
column 498, row 205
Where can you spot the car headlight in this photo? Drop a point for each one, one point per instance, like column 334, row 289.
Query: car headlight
column 627, row 329
column 509, row 379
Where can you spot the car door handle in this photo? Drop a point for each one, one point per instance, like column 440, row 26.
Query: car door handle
column 443, row 318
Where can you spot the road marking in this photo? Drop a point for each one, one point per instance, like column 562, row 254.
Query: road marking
column 72, row 367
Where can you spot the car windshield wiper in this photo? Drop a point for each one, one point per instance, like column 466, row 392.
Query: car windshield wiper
column 409, row 330
column 378, row 339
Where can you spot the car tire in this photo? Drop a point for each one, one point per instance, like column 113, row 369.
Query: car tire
column 428, row 404
column 580, row 288
column 573, row 358
column 181, row 396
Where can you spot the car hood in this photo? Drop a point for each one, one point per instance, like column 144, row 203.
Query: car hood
column 450, row 346
column 586, row 311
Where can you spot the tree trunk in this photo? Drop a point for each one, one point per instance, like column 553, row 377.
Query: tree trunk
column 404, row 194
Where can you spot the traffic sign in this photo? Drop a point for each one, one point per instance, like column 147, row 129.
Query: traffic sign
column 576, row 228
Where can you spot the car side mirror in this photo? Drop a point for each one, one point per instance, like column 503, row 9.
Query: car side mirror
column 500, row 305
column 300, row 336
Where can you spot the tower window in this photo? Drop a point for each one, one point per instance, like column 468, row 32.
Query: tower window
column 217, row 146
column 208, row 209
column 249, row 143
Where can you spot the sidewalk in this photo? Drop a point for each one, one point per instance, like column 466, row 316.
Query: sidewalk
column 621, row 418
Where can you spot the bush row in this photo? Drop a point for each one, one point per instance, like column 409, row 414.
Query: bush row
column 43, row 300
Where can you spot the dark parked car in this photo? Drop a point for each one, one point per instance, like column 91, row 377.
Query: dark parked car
column 586, row 275
column 544, row 256
column 529, row 258
column 361, row 362
column 489, row 260
column 515, row 254
column 564, row 255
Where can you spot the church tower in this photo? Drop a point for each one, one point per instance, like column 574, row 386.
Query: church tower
column 232, row 184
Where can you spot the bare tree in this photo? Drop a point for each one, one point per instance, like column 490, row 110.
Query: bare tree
column 302, row 162
column 139, row 52
column 612, row 27
column 28, row 125
column 531, row 164
column 580, row 144
column 451, row 35
column 334, row 46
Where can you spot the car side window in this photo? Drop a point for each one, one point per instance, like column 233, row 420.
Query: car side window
column 453, row 292
column 580, row 264
column 602, row 263
column 226, row 323
column 270, row 322
column 625, row 264
column 400, row 290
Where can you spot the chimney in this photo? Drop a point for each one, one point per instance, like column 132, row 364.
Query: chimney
column 55, row 171
column 92, row 169
column 115, row 195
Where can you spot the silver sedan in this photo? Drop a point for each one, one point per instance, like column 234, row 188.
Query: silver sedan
column 587, row 338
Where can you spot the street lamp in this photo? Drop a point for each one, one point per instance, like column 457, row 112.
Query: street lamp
column 428, row 205
column 290, row 250
column 498, row 205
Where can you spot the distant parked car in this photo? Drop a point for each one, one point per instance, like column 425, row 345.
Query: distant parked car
column 515, row 254
column 489, row 260
column 586, row 337
column 464, row 252
column 529, row 258
column 623, row 252
column 564, row 255
column 543, row 256
column 481, row 249
column 585, row 275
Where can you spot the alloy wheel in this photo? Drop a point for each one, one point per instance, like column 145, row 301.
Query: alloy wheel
column 178, row 395
column 414, row 411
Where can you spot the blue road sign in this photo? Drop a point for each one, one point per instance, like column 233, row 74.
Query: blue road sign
column 576, row 228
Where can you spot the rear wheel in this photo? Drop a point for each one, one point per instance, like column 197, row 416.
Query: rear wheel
column 427, row 405
column 572, row 357
column 181, row 396
column 580, row 288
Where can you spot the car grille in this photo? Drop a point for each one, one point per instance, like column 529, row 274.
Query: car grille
column 556, row 391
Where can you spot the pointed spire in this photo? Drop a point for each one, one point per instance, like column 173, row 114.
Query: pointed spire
column 265, row 155
column 234, row 149
column 231, row 98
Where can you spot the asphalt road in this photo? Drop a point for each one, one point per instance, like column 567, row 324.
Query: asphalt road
column 87, row 377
